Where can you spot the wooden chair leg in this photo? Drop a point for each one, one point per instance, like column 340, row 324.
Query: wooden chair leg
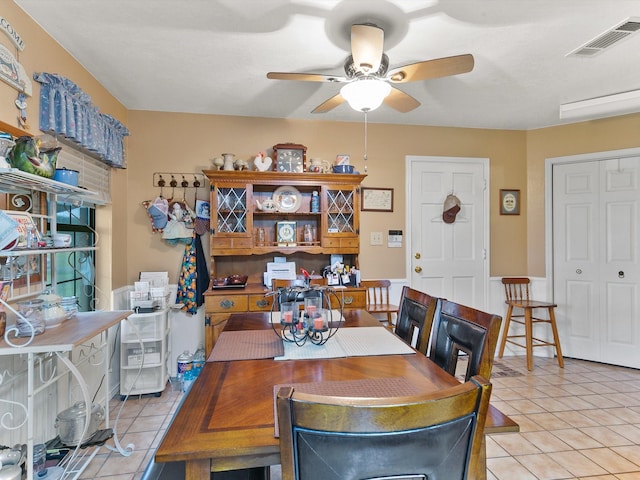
column 528, row 329
column 505, row 332
column 556, row 338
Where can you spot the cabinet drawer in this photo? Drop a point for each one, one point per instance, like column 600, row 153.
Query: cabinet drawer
column 226, row 303
column 341, row 242
column 351, row 299
column 231, row 242
column 260, row 303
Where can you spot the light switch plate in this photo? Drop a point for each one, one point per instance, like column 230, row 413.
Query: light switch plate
column 377, row 238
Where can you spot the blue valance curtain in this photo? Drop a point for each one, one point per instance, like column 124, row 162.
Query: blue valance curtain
column 66, row 110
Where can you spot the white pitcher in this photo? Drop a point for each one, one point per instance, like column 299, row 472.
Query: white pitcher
column 228, row 161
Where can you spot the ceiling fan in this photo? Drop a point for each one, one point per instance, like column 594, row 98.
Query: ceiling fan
column 368, row 82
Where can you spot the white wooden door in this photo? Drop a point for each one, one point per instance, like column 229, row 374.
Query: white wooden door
column 596, row 266
column 448, row 260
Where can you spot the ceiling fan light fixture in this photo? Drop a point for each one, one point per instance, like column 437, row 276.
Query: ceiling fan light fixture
column 365, row 94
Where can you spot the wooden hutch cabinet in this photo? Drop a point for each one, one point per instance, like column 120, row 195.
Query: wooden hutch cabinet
column 256, row 216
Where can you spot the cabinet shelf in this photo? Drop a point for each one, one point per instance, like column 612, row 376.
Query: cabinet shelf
column 20, row 252
column 14, row 180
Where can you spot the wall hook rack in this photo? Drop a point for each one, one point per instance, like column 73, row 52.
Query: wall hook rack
column 175, row 179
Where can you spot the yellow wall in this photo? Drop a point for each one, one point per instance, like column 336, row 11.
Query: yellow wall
column 615, row 133
column 170, row 142
column 174, row 142
column 42, row 54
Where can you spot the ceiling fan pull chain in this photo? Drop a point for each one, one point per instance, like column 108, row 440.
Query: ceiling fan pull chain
column 365, row 142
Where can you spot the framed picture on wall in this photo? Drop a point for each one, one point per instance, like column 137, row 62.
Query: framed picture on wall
column 377, row 199
column 509, row 202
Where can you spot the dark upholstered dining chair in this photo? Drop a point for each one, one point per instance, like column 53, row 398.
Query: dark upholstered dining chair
column 458, row 328
column 417, row 311
column 434, row 436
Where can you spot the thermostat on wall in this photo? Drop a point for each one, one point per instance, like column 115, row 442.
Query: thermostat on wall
column 394, row 240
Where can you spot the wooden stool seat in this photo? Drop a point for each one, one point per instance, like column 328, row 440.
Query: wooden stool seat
column 517, row 296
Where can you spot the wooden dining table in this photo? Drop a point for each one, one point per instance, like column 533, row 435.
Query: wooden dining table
column 226, row 422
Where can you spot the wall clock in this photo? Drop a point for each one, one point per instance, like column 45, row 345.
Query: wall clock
column 289, row 157
column 286, row 233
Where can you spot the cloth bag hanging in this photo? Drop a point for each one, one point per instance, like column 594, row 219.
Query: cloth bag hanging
column 193, row 280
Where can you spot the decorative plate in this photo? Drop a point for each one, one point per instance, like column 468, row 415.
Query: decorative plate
column 287, row 199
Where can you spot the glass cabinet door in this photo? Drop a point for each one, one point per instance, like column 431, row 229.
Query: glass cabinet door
column 231, row 210
column 341, row 211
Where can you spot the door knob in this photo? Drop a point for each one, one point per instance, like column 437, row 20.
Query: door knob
column 620, row 274
column 418, row 269
column 417, row 256
column 578, row 271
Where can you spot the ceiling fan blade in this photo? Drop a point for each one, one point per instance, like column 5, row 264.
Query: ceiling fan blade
column 400, row 101
column 439, row 67
column 305, row 77
column 367, row 43
column 330, row 104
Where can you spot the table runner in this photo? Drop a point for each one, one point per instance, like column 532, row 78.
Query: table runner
column 350, row 342
column 366, row 388
column 246, row 345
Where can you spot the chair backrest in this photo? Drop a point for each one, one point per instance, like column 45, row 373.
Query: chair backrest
column 458, row 328
column 377, row 291
column 277, row 283
column 417, row 311
column 436, row 436
column 516, row 289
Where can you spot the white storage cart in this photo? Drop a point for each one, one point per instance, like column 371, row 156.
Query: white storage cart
column 143, row 353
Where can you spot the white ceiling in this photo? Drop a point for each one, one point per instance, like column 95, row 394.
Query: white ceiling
column 212, row 56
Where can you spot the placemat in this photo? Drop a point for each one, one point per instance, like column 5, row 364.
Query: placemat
column 246, row 345
column 366, row 388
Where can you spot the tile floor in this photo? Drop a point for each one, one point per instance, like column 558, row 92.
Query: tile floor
column 580, row 422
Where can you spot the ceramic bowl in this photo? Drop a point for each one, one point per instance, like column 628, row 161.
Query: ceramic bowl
column 343, row 169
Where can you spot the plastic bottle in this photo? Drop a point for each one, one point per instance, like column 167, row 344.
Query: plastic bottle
column 198, row 360
column 315, row 202
column 185, row 365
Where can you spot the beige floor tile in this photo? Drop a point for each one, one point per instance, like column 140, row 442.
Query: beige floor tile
column 628, row 415
column 631, row 432
column 508, row 468
column 147, row 424
column 552, row 404
column 630, row 452
column 628, row 476
column 515, row 444
column 120, row 465
column 611, row 461
column 494, row 449
column 604, row 417
column 548, row 421
column 577, row 464
column 576, row 439
column 546, row 441
column 577, row 419
column 601, row 401
column 543, row 467
column 606, row 436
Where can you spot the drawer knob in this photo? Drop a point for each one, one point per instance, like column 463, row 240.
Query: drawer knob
column 262, row 303
column 226, row 303
column 348, row 300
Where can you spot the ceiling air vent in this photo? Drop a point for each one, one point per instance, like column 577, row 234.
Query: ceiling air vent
column 607, row 39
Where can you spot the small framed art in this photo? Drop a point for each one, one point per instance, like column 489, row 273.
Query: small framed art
column 377, row 199
column 509, row 202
